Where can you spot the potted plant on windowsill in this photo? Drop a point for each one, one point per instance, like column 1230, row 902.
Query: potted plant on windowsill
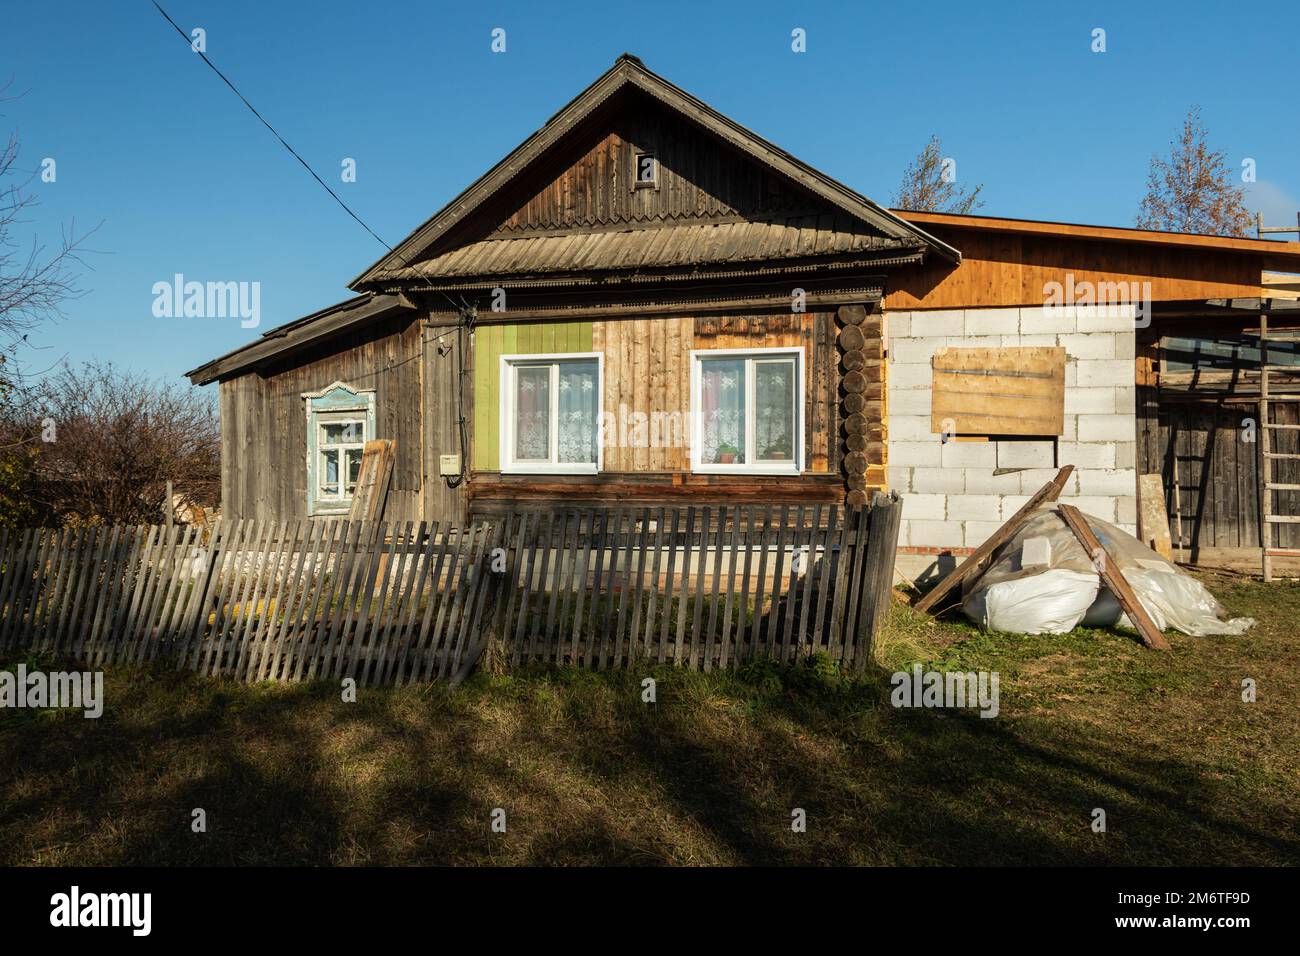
column 774, row 453
column 727, row 454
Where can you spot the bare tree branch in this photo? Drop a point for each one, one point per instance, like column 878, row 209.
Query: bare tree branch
column 35, row 281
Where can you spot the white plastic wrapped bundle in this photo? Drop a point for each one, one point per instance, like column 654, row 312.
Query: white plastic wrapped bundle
column 1067, row 590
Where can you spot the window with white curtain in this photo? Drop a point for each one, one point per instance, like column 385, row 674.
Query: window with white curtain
column 746, row 411
column 550, row 413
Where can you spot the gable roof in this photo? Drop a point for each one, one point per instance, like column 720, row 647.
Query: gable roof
column 629, row 72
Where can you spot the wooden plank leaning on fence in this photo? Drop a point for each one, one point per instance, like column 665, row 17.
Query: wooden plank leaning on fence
column 1114, row 578
column 882, row 541
column 1045, row 495
column 373, row 478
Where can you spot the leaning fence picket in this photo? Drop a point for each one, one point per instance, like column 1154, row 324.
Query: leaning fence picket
column 463, row 582
column 78, row 581
column 449, row 602
column 657, row 556
column 294, row 591
column 395, row 603
column 820, row 628
column 851, row 647
column 886, row 514
column 56, row 603
column 19, row 564
column 10, row 553
column 92, row 636
column 386, row 627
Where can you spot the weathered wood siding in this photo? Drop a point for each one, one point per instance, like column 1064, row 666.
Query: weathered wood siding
column 446, row 396
column 264, row 424
column 1218, row 472
column 647, row 372
column 591, row 184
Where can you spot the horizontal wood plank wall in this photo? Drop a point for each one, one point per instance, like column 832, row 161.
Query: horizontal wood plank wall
column 264, row 424
column 493, row 340
column 498, row 494
column 1000, row 269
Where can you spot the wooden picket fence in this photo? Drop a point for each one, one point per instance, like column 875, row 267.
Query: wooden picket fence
column 398, row 603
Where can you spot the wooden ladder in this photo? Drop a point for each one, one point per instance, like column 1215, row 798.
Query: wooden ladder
column 1269, row 522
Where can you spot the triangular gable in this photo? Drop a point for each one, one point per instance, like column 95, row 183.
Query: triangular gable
column 628, row 71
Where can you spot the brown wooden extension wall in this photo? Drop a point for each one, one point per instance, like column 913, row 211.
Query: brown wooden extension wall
column 1004, row 269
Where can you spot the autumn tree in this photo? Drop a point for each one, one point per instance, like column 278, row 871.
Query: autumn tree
column 930, row 185
column 105, row 442
column 1193, row 189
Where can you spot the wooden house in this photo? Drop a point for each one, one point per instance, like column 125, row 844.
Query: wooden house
column 647, row 302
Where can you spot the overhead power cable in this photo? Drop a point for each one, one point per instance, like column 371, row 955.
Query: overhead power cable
column 465, row 310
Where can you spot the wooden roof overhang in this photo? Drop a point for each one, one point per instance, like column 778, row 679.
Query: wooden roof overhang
column 825, row 280
column 1243, row 311
column 318, row 327
column 693, row 250
column 1225, row 381
column 1274, row 255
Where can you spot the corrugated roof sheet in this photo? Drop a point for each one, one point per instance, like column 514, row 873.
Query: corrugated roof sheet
column 664, row 247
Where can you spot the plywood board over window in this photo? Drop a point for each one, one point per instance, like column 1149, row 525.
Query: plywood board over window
column 1008, row 391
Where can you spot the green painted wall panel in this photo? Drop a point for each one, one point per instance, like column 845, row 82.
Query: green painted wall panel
column 490, row 343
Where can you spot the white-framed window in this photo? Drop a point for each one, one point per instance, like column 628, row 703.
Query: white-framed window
column 340, row 441
column 747, row 411
column 550, row 413
column 340, row 420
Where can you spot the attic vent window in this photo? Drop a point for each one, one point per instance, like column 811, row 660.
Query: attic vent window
column 647, row 171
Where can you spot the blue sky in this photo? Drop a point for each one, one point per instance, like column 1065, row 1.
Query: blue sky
column 184, row 179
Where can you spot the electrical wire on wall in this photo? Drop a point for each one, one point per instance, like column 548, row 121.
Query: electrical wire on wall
column 464, row 329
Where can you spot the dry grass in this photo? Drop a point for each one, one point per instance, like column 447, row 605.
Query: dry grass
column 587, row 773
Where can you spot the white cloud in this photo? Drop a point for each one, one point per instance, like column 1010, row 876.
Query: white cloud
column 1278, row 206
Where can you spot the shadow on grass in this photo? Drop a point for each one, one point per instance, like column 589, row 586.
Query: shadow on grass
column 588, row 773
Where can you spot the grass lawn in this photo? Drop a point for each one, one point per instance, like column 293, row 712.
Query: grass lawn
column 587, row 773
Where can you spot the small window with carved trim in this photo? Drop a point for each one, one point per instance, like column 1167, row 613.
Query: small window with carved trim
column 646, row 174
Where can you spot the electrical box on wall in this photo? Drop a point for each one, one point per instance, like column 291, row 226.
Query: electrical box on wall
column 449, row 466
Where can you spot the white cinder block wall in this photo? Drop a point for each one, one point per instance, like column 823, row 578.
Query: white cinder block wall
column 952, row 499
